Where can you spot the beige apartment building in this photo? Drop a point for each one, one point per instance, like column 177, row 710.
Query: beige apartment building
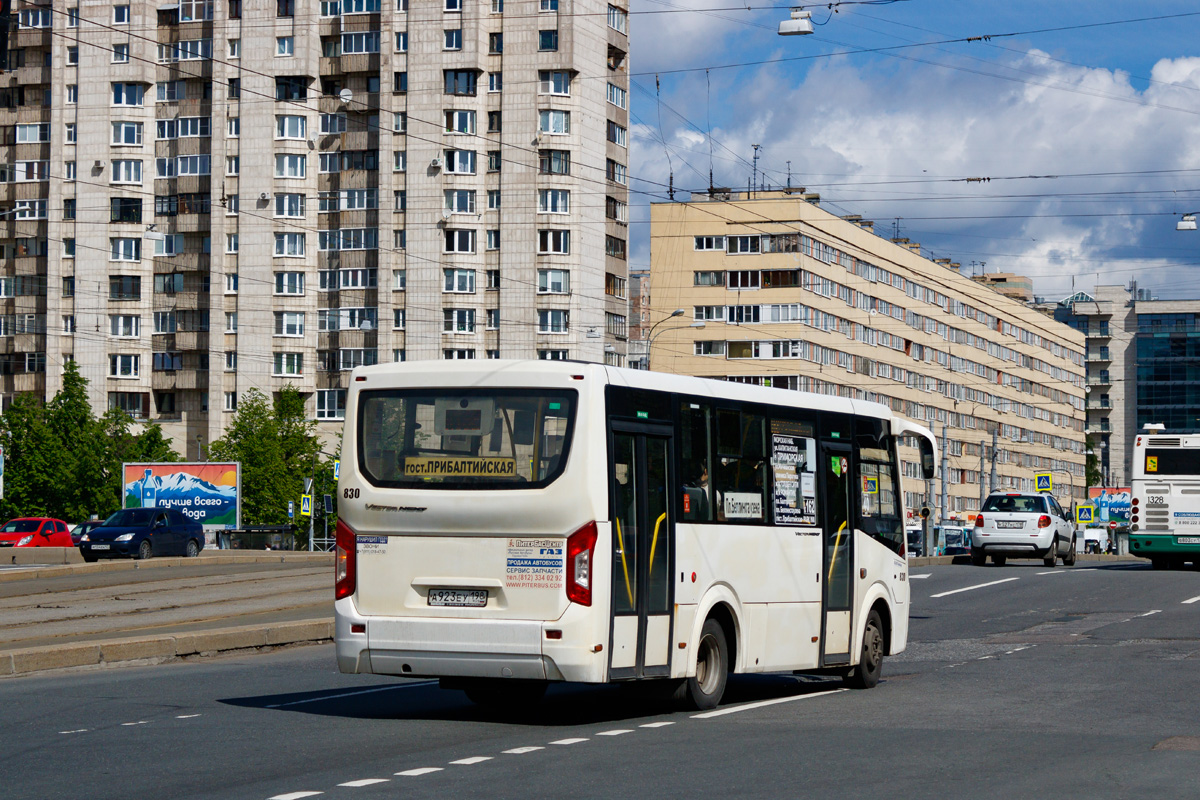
column 780, row 292
column 209, row 196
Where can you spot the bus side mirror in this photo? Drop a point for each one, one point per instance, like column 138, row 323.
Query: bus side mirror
column 928, row 468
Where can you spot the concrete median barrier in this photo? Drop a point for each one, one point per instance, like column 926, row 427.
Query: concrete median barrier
column 49, row 567
column 141, row 649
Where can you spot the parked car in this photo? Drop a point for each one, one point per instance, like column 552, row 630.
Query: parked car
column 1018, row 525
column 35, row 532
column 79, row 530
column 142, row 533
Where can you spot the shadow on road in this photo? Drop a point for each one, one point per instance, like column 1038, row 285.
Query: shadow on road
column 564, row 704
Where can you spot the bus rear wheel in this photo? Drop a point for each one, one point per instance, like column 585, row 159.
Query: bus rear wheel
column 704, row 690
column 865, row 674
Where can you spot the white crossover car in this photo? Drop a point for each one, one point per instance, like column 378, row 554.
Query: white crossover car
column 1018, row 525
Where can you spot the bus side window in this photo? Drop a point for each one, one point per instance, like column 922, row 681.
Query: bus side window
column 740, row 469
column 694, row 449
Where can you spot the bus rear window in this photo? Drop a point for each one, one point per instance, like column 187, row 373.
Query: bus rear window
column 1171, row 461
column 464, row 439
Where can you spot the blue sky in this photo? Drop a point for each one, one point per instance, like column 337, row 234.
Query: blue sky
column 1106, row 116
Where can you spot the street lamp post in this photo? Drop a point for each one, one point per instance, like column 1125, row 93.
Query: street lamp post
column 652, row 335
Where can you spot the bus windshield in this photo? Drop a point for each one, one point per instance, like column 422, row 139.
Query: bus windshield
column 464, row 438
column 1171, row 461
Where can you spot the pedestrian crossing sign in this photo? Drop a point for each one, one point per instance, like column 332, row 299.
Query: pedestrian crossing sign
column 306, row 505
column 1085, row 515
column 1044, row 482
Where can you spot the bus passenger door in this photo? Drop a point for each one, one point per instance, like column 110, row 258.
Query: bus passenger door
column 834, row 467
column 643, row 538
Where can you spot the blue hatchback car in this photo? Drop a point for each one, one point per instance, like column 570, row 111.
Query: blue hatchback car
column 142, row 533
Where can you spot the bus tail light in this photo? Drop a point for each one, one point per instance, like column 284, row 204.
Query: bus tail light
column 979, row 520
column 580, row 547
column 1044, row 521
column 344, row 562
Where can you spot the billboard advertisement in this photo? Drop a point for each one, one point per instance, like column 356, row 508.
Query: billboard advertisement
column 209, row 493
column 1112, row 505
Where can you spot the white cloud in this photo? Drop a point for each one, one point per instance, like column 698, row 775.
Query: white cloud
column 845, row 122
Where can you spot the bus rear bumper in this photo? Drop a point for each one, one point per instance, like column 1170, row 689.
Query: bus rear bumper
column 1148, row 545
column 465, row 648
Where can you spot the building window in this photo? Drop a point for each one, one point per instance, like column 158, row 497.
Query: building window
column 495, row 82
column 554, row 162
column 554, row 201
column 460, row 162
column 547, row 40
column 289, row 283
column 288, row 165
column 400, row 82
column 493, row 319
column 458, row 320
column 399, row 317
column 493, row 197
column 493, row 279
column 459, row 241
column 231, row 360
column 459, row 281
column 124, row 326
column 617, row 96
column 68, row 326
column 617, row 134
column 548, row 5
column 709, row 243
column 231, row 399
column 400, row 161
column 231, row 243
column 128, row 94
column 554, row 242
column 615, row 171
column 401, row 41
column 553, row 320
column 618, row 19
column 494, row 121
column 70, row 132
column 235, row 88
column 289, row 245
column 123, row 366
column 557, row 82
column 493, row 239
column 126, row 249
column 290, row 127
column 285, row 8
column 614, row 246
column 124, row 287
column 331, row 404
column 400, row 122
column 741, row 245
column 231, row 322
column 399, row 279
column 495, row 43
column 554, row 281
column 289, row 205
column 460, row 81
column 73, row 57
column 458, row 355
column 553, row 355
column 452, row 39
column 493, row 160
column 291, row 88
column 289, row 323
column 554, row 122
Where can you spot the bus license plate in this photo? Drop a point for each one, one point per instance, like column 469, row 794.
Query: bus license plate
column 471, row 598
column 1187, row 539
column 99, row 547
column 1006, row 524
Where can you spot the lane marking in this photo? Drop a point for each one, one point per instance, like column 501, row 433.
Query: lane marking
column 352, row 694
column 977, row 586
column 365, row 782
column 412, row 773
column 77, row 730
column 1189, row 602
column 1148, row 613
column 569, row 741
column 520, row 751
column 617, row 732
column 295, row 795
column 139, row 722
column 656, row 724
column 472, row 760
column 1053, row 572
column 919, row 577
column 762, row 703
column 187, row 716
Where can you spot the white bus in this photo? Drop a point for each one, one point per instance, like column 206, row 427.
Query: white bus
column 503, row 524
column 1165, row 512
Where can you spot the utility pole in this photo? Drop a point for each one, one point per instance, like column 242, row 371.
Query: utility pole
column 945, row 486
column 982, row 491
column 992, row 483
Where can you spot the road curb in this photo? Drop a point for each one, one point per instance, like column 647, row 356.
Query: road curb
column 26, row 661
column 321, row 559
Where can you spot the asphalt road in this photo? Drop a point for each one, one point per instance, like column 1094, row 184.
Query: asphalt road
column 1081, row 682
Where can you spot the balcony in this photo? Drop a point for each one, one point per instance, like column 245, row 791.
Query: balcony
column 1101, row 355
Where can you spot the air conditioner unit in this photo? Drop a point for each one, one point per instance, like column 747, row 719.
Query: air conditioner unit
column 435, row 164
column 98, row 165
column 264, row 196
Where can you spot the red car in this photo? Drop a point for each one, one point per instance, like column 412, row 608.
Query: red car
column 35, row 532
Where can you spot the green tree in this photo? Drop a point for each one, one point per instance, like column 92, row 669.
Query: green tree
column 278, row 448
column 1092, row 465
column 61, row 461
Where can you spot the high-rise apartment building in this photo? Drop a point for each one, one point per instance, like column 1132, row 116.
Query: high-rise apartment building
column 210, row 196
column 779, row 292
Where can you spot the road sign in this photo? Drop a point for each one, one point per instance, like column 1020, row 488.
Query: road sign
column 308, row 485
column 1044, row 481
column 291, row 509
column 1085, row 514
column 306, row 505
column 870, row 485
column 337, row 469
column 1112, row 526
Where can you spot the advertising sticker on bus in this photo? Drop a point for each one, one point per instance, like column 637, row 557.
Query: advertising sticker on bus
column 534, row 564
column 1151, row 463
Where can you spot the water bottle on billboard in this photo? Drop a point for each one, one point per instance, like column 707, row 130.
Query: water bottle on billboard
column 149, row 490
